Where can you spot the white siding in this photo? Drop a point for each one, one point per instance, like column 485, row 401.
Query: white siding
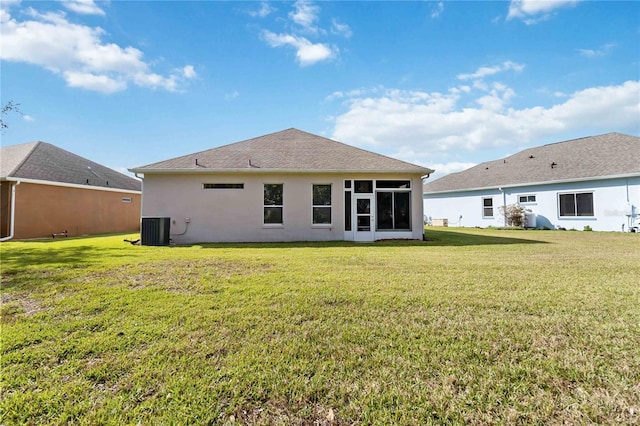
column 611, row 198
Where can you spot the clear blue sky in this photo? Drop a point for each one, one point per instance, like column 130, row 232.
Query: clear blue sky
column 441, row 84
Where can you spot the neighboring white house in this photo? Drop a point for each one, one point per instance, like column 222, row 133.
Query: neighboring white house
column 592, row 181
column 286, row 186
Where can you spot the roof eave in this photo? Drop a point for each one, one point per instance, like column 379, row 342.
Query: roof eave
column 69, row 185
column 548, row 182
column 282, row 171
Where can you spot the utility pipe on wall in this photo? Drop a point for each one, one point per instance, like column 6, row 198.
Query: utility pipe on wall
column 13, row 212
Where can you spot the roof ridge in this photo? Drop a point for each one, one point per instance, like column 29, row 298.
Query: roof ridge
column 289, row 149
column 26, row 157
column 191, row 155
column 584, row 137
column 352, row 146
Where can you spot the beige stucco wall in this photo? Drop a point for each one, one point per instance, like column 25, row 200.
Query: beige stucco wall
column 41, row 210
column 236, row 215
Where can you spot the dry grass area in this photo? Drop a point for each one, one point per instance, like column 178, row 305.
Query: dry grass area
column 469, row 327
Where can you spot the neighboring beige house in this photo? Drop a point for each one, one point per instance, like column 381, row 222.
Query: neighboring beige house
column 46, row 190
column 286, row 186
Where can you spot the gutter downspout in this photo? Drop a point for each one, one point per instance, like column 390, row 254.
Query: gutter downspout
column 13, row 212
column 504, row 204
column 141, row 199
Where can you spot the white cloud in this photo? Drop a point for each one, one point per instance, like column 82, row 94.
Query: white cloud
column 7, row 4
column 483, row 72
column 534, row 11
column 84, row 7
column 307, row 53
column 265, row 10
column 305, row 14
column 27, row 117
column 340, row 29
column 437, row 10
column 79, row 54
column 189, row 72
column 422, row 127
column 97, row 83
column 602, row 51
column 351, row 93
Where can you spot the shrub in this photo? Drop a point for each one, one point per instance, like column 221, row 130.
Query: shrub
column 513, row 215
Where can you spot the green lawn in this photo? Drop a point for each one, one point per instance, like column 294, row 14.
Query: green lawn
column 473, row 326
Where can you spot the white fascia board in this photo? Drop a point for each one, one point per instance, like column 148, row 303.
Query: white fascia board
column 69, row 185
column 548, row 182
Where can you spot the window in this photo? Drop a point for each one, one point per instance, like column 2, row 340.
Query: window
column 273, row 203
column 523, row 199
column 576, row 204
column 347, row 184
column 393, row 184
column 321, row 204
column 347, row 210
column 126, row 199
column 394, row 210
column 223, row 185
column 487, row 207
column 364, row 186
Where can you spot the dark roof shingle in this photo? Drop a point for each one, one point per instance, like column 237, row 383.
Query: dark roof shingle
column 46, row 162
column 611, row 154
column 287, row 150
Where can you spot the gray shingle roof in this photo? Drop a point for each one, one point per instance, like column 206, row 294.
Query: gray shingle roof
column 46, row 162
column 608, row 155
column 287, row 150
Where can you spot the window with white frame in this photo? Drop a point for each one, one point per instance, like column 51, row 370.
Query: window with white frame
column 575, row 204
column 525, row 199
column 321, row 204
column 487, row 207
column 273, row 203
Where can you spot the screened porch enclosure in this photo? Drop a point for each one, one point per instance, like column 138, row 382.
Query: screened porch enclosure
column 381, row 207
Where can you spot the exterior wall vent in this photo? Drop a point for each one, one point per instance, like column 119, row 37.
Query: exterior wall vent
column 155, row 231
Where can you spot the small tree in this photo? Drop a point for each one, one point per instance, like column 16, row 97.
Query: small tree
column 514, row 215
column 6, row 109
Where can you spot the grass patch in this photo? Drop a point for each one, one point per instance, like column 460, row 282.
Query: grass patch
column 472, row 326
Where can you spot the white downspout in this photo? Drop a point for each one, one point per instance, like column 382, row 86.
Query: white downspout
column 141, row 199
column 13, row 212
column 504, row 205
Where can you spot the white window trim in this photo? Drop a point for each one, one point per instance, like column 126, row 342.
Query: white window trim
column 273, row 225
column 484, row 207
column 576, row 217
column 322, row 225
column 528, row 202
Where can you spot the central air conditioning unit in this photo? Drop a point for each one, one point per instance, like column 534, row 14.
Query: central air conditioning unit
column 155, row 231
column 530, row 220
